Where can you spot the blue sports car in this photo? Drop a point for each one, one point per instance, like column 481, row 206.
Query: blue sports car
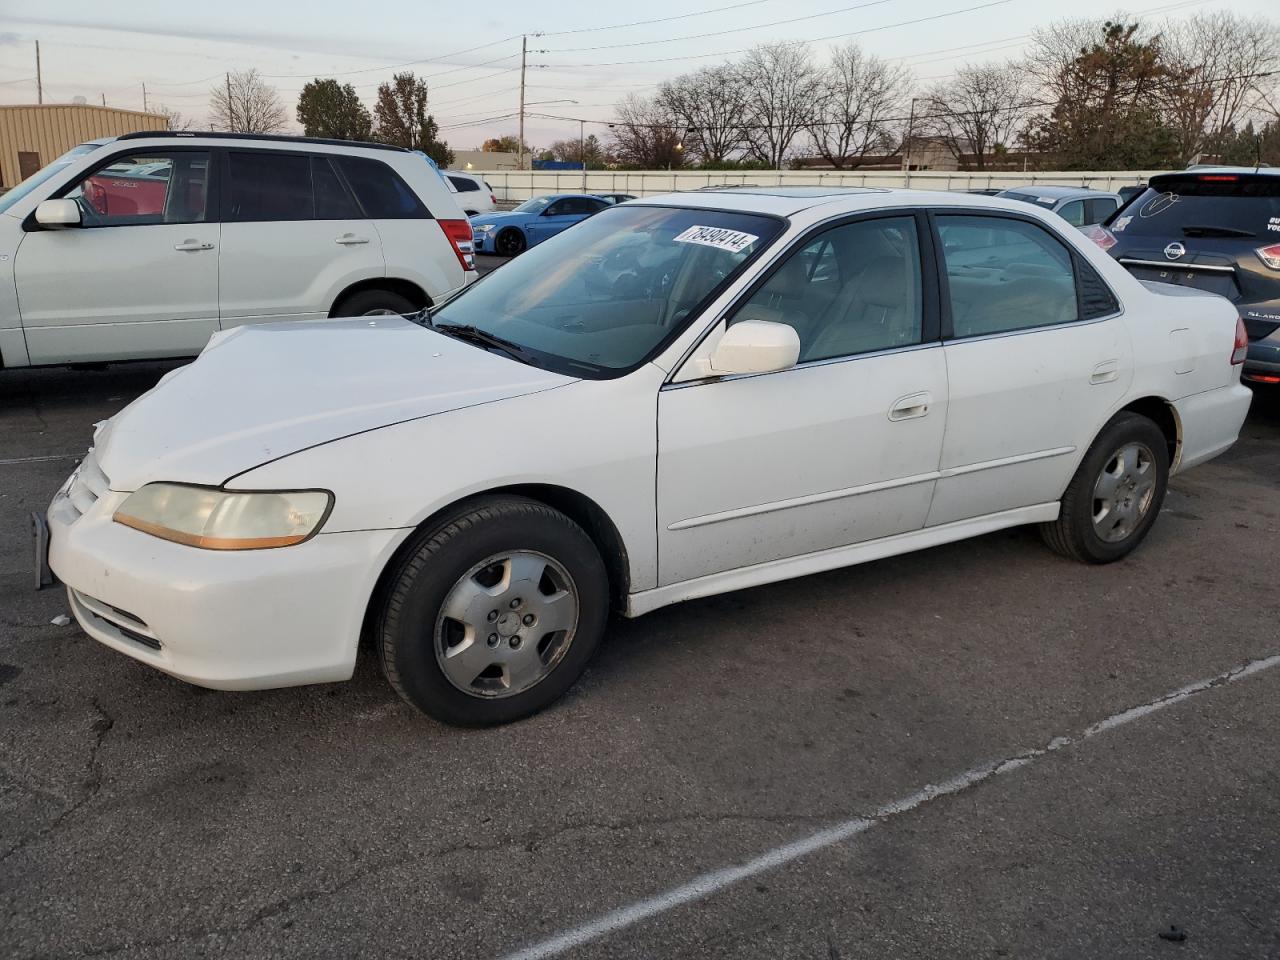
column 508, row 234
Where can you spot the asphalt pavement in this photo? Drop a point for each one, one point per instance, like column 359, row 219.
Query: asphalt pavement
column 982, row 750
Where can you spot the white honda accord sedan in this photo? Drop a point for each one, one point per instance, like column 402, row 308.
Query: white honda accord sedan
column 678, row 397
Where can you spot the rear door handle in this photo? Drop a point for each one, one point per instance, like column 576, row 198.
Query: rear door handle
column 911, row 406
column 192, row 244
column 349, row 239
column 1106, row 372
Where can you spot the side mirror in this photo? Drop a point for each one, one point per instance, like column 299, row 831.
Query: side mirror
column 755, row 346
column 58, row 213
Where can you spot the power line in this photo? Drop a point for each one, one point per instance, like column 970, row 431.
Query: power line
column 834, row 36
column 644, row 23
column 396, row 66
column 721, row 33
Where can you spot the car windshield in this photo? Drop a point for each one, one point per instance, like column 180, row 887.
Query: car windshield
column 1223, row 205
column 44, row 173
column 601, row 297
column 532, row 206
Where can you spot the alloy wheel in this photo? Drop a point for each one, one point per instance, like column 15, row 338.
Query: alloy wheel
column 1123, row 492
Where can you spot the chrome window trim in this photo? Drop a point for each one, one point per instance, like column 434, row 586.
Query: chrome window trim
column 1175, row 266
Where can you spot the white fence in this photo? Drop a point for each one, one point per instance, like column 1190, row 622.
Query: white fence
column 514, row 185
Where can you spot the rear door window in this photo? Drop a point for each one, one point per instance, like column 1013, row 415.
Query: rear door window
column 1073, row 213
column 333, row 200
column 381, row 191
column 267, row 186
column 1005, row 275
column 1205, row 205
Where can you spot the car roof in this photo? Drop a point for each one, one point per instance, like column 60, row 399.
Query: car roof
column 784, row 202
column 1057, row 192
column 1204, row 168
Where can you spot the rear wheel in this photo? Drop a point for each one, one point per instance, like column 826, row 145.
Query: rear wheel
column 1115, row 495
column 374, row 303
column 509, row 242
column 494, row 614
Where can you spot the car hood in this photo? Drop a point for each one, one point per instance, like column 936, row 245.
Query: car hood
column 260, row 393
column 508, row 216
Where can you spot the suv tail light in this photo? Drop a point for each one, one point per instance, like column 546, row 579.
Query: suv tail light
column 1100, row 235
column 1270, row 255
column 1241, row 349
column 459, row 234
column 493, row 199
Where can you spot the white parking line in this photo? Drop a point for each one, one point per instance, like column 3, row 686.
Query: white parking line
column 710, row 883
column 54, row 456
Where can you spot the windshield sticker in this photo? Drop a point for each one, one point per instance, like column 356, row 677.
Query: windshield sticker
column 1120, row 224
column 1274, row 224
column 1157, row 205
column 1048, row 200
column 735, row 241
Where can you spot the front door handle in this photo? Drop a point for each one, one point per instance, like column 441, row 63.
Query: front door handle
column 350, row 239
column 192, row 244
column 1106, row 372
column 912, row 406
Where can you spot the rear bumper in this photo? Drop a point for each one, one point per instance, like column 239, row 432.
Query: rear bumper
column 1210, row 423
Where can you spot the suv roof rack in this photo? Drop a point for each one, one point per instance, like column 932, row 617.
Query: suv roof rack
column 273, row 137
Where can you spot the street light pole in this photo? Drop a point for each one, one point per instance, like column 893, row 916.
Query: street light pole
column 582, row 151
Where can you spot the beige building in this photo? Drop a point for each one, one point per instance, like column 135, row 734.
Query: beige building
column 479, row 160
column 31, row 136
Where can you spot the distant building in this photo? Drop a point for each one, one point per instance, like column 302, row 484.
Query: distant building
column 486, row 160
column 31, row 135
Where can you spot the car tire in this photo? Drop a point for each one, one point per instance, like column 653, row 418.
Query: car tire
column 373, row 303
column 509, row 243
column 1115, row 495
column 461, row 632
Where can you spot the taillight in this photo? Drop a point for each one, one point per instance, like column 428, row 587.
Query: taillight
column 459, row 234
column 1270, row 255
column 1100, row 235
column 1241, row 349
column 493, row 199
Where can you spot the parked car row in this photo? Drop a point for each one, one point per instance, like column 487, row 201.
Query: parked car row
column 511, row 233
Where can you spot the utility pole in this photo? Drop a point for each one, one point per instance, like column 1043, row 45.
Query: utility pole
column 39, row 78
column 906, row 144
column 582, row 151
column 144, row 98
column 104, row 99
column 524, row 49
column 231, row 114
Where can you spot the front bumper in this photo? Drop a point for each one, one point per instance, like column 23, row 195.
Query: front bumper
column 234, row 620
column 482, row 242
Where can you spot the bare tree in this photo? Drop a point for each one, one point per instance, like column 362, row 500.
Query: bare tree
column 781, row 84
column 1214, row 81
column 645, row 134
column 174, row 118
column 859, row 97
column 244, row 103
column 711, row 104
column 979, row 109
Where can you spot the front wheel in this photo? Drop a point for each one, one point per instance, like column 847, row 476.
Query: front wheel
column 373, row 303
column 1115, row 495
column 510, row 242
column 494, row 613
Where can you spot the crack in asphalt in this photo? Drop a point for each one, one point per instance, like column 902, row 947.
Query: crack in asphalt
column 91, row 784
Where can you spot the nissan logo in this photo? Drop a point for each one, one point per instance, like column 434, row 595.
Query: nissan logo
column 1175, row 250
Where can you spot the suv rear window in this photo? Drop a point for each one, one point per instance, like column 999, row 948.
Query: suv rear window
column 380, row 190
column 1204, row 205
column 463, row 185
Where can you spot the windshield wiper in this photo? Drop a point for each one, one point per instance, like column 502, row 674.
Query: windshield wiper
column 1212, row 231
column 472, row 334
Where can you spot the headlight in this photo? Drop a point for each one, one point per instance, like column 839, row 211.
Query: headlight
column 482, row 227
column 225, row 519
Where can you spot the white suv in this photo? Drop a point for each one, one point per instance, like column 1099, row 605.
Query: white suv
column 474, row 195
column 145, row 245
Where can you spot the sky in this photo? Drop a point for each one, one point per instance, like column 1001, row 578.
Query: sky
column 469, row 53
